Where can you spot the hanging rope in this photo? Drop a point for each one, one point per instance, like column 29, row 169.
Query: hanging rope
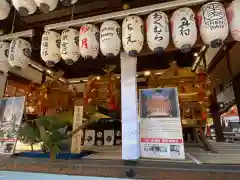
column 72, row 14
column 13, row 23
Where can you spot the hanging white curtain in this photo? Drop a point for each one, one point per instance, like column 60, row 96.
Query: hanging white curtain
column 70, row 46
column 89, row 41
column 50, row 48
column 132, row 35
column 157, row 31
column 233, row 15
column 19, row 53
column 213, row 24
column 25, row 7
column 4, row 49
column 46, row 5
column 110, row 41
column 68, row 2
column 184, row 29
column 4, row 9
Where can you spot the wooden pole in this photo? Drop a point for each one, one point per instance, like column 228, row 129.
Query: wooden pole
column 77, row 121
column 216, row 117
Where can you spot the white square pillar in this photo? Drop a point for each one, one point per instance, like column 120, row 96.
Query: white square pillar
column 130, row 123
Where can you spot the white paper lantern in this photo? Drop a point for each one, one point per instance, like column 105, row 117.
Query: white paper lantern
column 4, row 49
column 4, row 9
column 213, row 24
column 19, row 53
column 68, row 2
column 132, row 35
column 50, row 48
column 25, row 7
column 89, row 41
column 110, row 41
column 70, row 46
column 157, row 31
column 46, row 5
column 184, row 29
column 233, row 16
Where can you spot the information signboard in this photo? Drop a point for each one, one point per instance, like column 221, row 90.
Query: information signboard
column 11, row 113
column 160, row 124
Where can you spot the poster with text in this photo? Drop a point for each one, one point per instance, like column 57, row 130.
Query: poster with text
column 11, row 113
column 160, row 124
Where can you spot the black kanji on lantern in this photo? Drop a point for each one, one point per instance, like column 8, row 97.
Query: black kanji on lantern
column 184, row 27
column 129, row 38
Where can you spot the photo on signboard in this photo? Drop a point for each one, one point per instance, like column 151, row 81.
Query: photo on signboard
column 159, row 102
column 156, row 149
column 11, row 113
column 175, row 149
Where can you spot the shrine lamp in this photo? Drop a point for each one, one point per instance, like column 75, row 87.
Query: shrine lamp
column 50, row 48
column 4, row 9
column 233, row 17
column 157, row 31
column 69, row 48
column 46, row 5
column 213, row 25
column 110, row 38
column 89, row 41
column 19, row 54
column 4, row 49
column 25, row 7
column 184, row 29
column 132, row 35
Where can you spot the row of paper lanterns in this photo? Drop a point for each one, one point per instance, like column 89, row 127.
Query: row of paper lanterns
column 28, row 7
column 212, row 22
column 71, row 44
column 15, row 54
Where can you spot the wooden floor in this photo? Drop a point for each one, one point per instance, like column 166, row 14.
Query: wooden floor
column 228, row 153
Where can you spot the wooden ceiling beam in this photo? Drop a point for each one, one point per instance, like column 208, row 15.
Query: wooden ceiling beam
column 220, row 55
column 64, row 14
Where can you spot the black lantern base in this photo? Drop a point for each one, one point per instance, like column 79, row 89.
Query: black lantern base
column 158, row 50
column 44, row 7
column 67, row 2
column 88, row 57
column 186, row 48
column 109, row 55
column 132, row 53
column 216, row 43
column 23, row 11
column 69, row 61
column 50, row 63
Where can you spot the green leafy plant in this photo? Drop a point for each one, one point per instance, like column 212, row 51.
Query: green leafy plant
column 47, row 129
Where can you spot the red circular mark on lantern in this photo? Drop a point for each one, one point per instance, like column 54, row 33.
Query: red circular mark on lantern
column 199, row 19
column 84, row 29
column 171, row 26
column 230, row 14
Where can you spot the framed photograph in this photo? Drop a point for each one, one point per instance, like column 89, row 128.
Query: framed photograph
column 159, row 102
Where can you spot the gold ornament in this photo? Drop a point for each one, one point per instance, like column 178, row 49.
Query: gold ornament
column 208, row 93
column 126, row 6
